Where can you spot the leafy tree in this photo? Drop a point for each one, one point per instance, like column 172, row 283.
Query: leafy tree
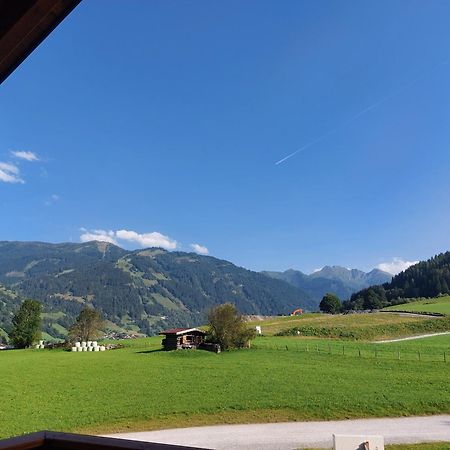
column 87, row 326
column 330, row 303
column 26, row 324
column 227, row 327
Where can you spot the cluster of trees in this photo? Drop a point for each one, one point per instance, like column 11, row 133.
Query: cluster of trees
column 228, row 328
column 425, row 279
column 27, row 325
column 330, row 304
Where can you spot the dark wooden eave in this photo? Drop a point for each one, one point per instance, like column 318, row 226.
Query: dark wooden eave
column 24, row 24
column 50, row 440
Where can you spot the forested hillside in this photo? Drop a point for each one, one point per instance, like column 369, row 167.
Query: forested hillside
column 426, row 279
column 144, row 290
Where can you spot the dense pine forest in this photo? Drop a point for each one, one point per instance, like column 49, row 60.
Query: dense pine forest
column 426, row 279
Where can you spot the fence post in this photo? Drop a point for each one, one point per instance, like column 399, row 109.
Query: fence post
column 307, row 347
column 317, row 348
column 359, row 352
column 398, row 354
column 343, row 350
column 418, row 354
column 287, row 347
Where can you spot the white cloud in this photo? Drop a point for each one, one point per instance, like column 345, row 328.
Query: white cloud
column 98, row 235
column 153, row 239
column 396, row 266
column 200, row 249
column 10, row 173
column 27, row 156
column 53, row 199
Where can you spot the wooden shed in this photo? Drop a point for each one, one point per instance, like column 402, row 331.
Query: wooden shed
column 177, row 338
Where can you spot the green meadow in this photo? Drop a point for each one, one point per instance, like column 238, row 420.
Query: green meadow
column 374, row 326
column 139, row 387
column 440, row 305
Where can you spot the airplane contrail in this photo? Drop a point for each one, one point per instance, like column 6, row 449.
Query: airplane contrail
column 362, row 112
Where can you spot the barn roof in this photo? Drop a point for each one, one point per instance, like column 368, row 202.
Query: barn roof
column 179, row 331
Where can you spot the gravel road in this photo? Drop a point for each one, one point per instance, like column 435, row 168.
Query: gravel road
column 420, row 336
column 294, row 435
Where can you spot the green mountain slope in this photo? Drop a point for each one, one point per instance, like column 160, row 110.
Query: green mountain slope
column 144, row 290
column 426, row 279
column 338, row 280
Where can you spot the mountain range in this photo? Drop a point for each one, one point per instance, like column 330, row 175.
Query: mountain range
column 336, row 279
column 143, row 290
column 148, row 290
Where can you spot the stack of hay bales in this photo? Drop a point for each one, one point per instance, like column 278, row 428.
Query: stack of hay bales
column 89, row 346
column 40, row 345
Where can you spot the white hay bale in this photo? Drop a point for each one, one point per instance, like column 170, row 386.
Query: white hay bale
column 84, row 349
column 96, row 349
column 83, row 344
column 77, row 344
column 74, row 349
column 102, row 348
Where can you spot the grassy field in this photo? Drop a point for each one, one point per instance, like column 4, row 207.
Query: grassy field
column 353, row 326
column 274, row 325
column 430, row 349
column 439, row 305
column 139, row 387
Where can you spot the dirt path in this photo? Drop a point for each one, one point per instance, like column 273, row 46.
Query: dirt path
column 291, row 435
column 420, row 336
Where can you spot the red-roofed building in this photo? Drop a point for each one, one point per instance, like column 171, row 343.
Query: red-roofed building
column 177, row 338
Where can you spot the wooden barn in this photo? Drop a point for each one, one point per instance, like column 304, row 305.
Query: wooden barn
column 178, row 338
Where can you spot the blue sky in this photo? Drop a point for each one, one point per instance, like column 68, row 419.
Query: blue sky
column 161, row 123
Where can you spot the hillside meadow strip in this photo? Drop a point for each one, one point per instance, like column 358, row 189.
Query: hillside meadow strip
column 369, row 326
column 438, row 305
column 141, row 388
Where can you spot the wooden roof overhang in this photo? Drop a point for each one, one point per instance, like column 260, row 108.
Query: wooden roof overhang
column 65, row 441
column 181, row 331
column 24, row 24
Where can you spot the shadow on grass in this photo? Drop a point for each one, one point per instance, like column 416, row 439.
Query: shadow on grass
column 151, row 351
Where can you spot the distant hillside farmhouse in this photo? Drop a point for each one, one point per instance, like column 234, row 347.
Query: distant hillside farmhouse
column 178, row 338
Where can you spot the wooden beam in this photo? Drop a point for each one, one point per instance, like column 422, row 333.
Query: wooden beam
column 24, row 24
column 50, row 440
